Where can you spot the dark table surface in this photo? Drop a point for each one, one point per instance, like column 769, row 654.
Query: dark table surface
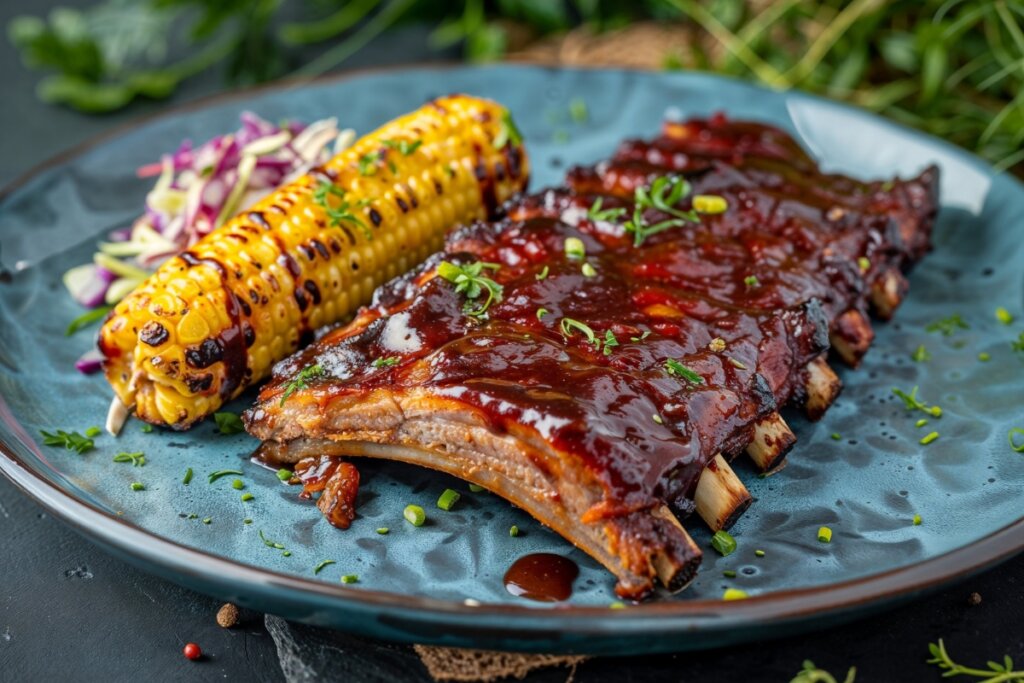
column 69, row 611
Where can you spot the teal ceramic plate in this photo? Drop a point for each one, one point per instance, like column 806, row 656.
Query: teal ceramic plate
column 414, row 583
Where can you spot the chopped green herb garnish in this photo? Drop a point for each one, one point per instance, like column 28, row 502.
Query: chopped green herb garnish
column 136, row 486
column 541, row 312
column 825, row 534
column 207, row 520
column 507, row 132
column 269, row 543
column 385, row 362
column 86, row 319
column 617, row 604
column 475, row 488
column 404, row 147
column 1018, row 344
column 383, row 530
column 448, row 499
column 912, row 402
column 414, row 514
column 136, row 459
column 238, row 484
column 301, row 380
column 729, row 574
column 641, row 229
column 513, row 531
column 947, row 326
column 734, row 594
column 1019, row 448
column 596, row 213
column 588, row 270
column 658, row 419
column 246, row 497
column 578, row 110
column 677, row 369
column 811, row 673
column 637, row 340
column 321, row 564
column 542, row 275
column 995, row 673
column 569, row 325
column 921, row 423
column 350, row 578
column 664, row 194
column 286, row 553
column 984, row 357
column 93, row 432
column 214, row 476
column 917, row 520
column 759, row 553
column 343, row 210
column 368, row 163
column 574, row 248
column 709, row 204
column 187, row 479
column 73, row 441
column 920, row 354
column 284, row 475
column 246, row 521
column 723, row 542
column 147, row 428
column 864, row 263
column 751, row 281
column 228, row 423
column 610, row 342
column 1003, row 316
column 836, row 436
column 468, row 280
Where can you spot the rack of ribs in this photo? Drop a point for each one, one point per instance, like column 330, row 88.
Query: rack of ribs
column 599, row 354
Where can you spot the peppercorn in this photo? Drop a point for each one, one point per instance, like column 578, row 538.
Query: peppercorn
column 192, row 651
column 974, row 599
column 227, row 615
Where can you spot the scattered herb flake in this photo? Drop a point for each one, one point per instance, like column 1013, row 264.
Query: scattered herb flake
column 475, row 488
column 836, row 436
column 677, row 369
column 385, row 362
column 729, row 574
column 734, row 594
column 147, row 428
column 1018, row 345
column 575, row 250
column 513, row 531
column 984, row 357
column 187, row 479
column 541, row 312
column 383, row 530
column 947, row 326
column 578, row 110
column 86, row 319
column 72, row 441
column 301, row 380
column 637, row 340
column 214, row 476
column 759, row 553
column 136, row 459
column 448, row 499
column 658, row 419
column 1019, row 448
column 751, row 281
column 508, row 133
column 920, row 354
column 723, row 542
column 342, row 211
column 350, row 578
column 368, row 163
column 93, row 432
column 1003, row 316
column 921, row 423
column 542, row 275
column 569, row 325
column 404, row 147
column 207, row 520
column 995, row 673
column 710, row 204
column 321, row 564
column 284, row 475
column 595, row 213
column 238, row 484
column 136, row 486
column 246, row 497
column 414, row 514
column 228, row 423
column 588, row 270
column 912, row 402
column 864, row 263
column 825, row 534
column 610, row 342
column 917, row 520
column 269, row 543
column 469, row 280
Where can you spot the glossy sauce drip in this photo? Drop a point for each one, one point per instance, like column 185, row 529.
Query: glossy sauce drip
column 337, row 482
column 544, row 577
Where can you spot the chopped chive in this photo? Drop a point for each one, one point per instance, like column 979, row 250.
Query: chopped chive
column 729, row 574
column 928, row 438
column 93, row 432
column 350, row 578
column 541, row 312
column 759, row 553
column 836, row 436
column 920, row 354
column 513, row 531
column 383, row 530
column 588, row 270
column 734, row 594
column 193, row 516
column 214, row 476
column 947, row 326
column 87, row 318
column 447, row 500
column 136, row 459
column 575, row 250
column 1003, row 316
column 921, row 423
column 578, row 110
column 751, row 281
column 912, row 402
column 677, row 369
column 246, row 521
column 917, row 520
column 825, row 534
column 136, row 486
column 284, row 475
column 73, row 441
column 238, row 484
column 476, row 488
column 1018, row 448
column 723, row 542
column 286, row 553
column 228, row 423
column 385, row 362
column 269, row 543
column 657, row 419
column 709, row 203
column 187, row 479
column 542, row 274
column 864, row 263
column 617, row 604
column 147, row 428
column 320, row 565
column 207, row 520
column 414, row 514
column 246, row 497
column 984, row 357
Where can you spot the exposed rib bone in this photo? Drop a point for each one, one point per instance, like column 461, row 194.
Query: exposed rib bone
column 822, row 387
column 851, row 336
column 720, row 497
column 772, row 440
column 887, row 293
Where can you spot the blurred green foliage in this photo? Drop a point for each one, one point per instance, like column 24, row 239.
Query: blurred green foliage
column 954, row 68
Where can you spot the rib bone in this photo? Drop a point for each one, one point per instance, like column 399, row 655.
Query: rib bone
column 772, row 440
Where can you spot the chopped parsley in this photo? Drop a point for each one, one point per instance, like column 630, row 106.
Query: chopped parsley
column 136, row 459
column 947, row 326
column 469, row 280
column 609, row 342
column 86, row 319
column 301, row 381
column 404, row 147
column 147, row 428
column 596, row 213
column 343, row 210
column 677, row 369
column 92, row 432
column 570, row 325
column 214, row 476
column 368, row 163
column 637, row 340
column 751, row 281
column 864, row 263
column 912, row 402
column 920, row 354
column 228, row 423
column 662, row 195
column 73, row 441
column 385, row 362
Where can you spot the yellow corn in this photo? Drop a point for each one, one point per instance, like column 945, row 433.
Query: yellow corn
column 211, row 322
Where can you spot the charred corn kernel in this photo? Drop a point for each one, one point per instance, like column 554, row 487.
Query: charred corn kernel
column 213, row 320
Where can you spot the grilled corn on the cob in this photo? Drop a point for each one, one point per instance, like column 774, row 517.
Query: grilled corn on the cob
column 211, row 321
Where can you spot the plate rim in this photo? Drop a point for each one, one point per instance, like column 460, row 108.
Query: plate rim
column 176, row 561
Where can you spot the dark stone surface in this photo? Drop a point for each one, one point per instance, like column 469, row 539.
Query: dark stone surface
column 70, row 612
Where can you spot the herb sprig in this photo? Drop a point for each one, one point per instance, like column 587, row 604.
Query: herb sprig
column 301, row 381
column 947, row 326
column 912, row 402
column 812, row 674
column 677, row 369
column 136, row 459
column 341, row 210
column 73, row 441
column 470, row 281
column 997, row 672
column 86, row 319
